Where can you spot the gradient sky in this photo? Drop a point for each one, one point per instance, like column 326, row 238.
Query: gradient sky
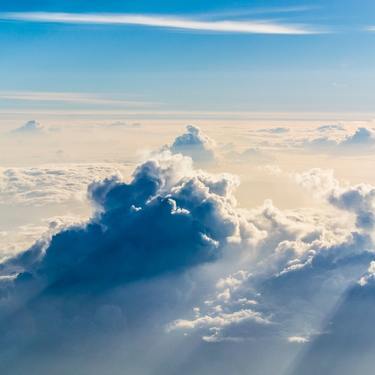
column 329, row 70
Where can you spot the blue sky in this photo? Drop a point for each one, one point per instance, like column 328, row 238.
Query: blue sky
column 329, row 70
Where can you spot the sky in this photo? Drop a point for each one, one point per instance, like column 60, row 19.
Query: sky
column 187, row 187
column 310, row 57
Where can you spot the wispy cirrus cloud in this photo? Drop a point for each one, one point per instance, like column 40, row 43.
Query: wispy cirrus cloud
column 70, row 98
column 164, row 21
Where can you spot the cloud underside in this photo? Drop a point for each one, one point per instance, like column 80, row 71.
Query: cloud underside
column 162, row 21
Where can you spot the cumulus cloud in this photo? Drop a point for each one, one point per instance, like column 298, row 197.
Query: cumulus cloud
column 362, row 140
column 361, row 137
column 358, row 199
column 30, row 127
column 159, row 222
column 196, row 144
column 166, row 220
column 296, row 275
column 174, row 236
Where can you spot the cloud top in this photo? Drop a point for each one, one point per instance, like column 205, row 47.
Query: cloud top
column 196, row 144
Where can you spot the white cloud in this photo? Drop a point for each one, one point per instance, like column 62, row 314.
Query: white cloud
column 50, row 184
column 71, row 98
column 163, row 21
column 361, row 141
column 358, row 199
column 298, row 339
column 196, row 144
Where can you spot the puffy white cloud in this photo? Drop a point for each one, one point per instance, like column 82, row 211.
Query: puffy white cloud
column 296, row 273
column 358, row 199
column 196, row 144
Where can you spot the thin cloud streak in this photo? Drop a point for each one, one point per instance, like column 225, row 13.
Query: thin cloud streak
column 71, row 98
column 163, row 21
column 247, row 12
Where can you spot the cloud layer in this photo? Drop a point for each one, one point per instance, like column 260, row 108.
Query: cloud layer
column 169, row 256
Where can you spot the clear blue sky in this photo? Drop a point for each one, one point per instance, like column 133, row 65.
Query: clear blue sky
column 330, row 69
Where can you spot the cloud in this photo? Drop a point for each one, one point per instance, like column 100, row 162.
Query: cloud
column 40, row 186
column 361, row 137
column 278, row 130
column 196, row 144
column 71, row 98
column 362, row 140
column 358, row 199
column 163, row 21
column 251, row 154
column 30, row 127
column 297, row 272
column 350, row 322
column 168, row 218
column 330, row 127
column 298, row 339
column 168, row 256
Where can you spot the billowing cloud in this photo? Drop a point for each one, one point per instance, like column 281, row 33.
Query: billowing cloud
column 166, row 220
column 196, row 144
column 162, row 221
column 168, row 255
column 359, row 199
column 297, row 273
